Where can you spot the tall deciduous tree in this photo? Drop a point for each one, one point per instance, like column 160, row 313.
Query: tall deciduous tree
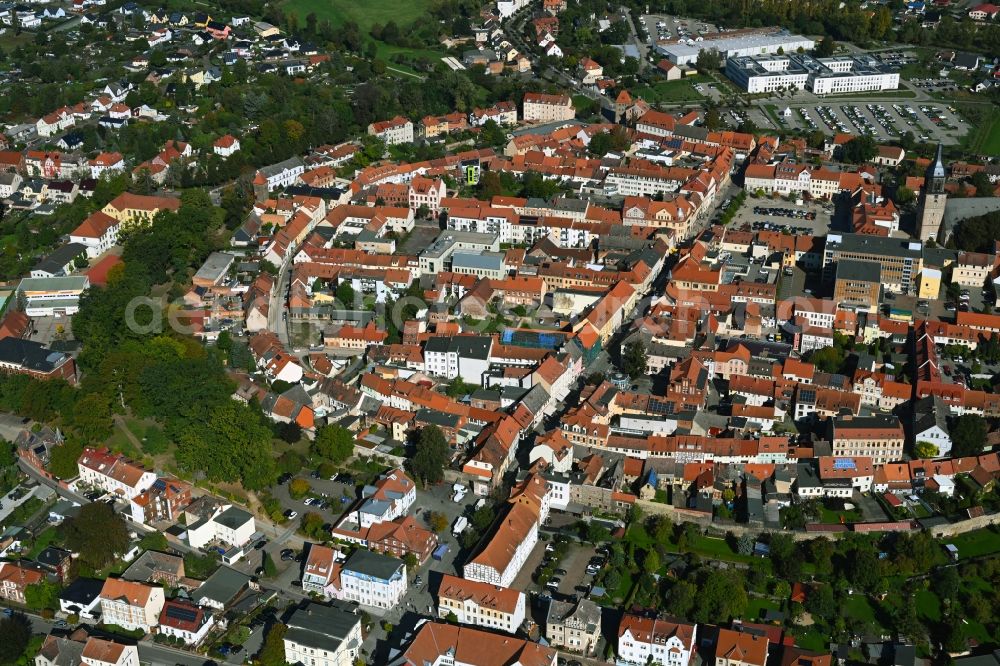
column 634, row 359
column 431, row 456
column 334, row 442
column 97, row 533
column 15, row 632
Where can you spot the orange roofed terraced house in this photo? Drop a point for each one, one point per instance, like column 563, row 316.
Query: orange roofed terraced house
column 436, row 642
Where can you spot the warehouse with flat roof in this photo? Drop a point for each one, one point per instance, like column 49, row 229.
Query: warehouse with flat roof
column 756, row 44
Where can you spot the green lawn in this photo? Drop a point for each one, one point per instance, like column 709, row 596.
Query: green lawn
column 756, row 607
column 365, row 14
column 979, row 542
column 810, row 639
column 928, row 606
column 857, row 606
column 43, row 541
column 832, row 516
column 672, row 92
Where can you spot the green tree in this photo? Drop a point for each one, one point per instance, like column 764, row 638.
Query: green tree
column 682, row 597
column 820, row 602
column 270, row 569
column 984, row 188
column 904, row 195
column 968, row 435
column 62, row 463
column 926, row 450
column 298, row 488
column 229, row 442
column 745, row 544
column 438, row 522
column 826, row 47
column 42, row 595
column 827, row 359
column 97, row 533
column 721, row 594
column 708, row 61
column 92, row 417
column 334, row 442
column 431, row 456
column 651, row 562
column 634, row 359
column 859, row 149
column 15, row 632
column 154, row 541
column 272, row 653
column 345, row 294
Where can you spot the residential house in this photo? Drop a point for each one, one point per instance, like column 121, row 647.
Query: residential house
column 740, row 648
column 642, row 640
column 156, row 567
column 323, row 635
column 232, row 525
column 394, row 131
column 131, row 605
column 113, row 473
column 574, row 626
column 226, row 145
column 481, row 604
column 389, row 498
column 439, row 644
column 15, row 577
column 544, row 108
column 370, row 579
column 186, row 621
column 103, row 652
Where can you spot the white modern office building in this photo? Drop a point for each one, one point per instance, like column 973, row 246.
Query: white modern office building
column 821, row 76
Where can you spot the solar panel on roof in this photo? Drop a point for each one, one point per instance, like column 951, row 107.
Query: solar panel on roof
column 182, row 613
column 843, row 463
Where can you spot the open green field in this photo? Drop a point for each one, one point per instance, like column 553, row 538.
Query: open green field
column 365, row 14
column 985, row 137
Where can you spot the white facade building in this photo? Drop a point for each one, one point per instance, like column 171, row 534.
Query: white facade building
column 821, row 76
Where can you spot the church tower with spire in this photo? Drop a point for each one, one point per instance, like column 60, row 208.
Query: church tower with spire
column 930, row 212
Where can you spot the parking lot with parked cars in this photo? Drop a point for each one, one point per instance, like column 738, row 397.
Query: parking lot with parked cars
column 661, row 27
column 883, row 121
column 810, row 218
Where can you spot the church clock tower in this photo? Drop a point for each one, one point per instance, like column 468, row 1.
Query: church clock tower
column 930, row 213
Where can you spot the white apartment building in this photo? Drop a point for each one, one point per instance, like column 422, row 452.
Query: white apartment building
column 394, row 131
column 643, row 640
column 371, row 579
column 131, row 605
column 233, row 526
column 390, row 497
column 322, row 635
column 543, row 108
column 481, row 604
column 640, row 182
column 113, row 473
column 465, row 356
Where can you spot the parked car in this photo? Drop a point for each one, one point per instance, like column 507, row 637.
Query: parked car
column 289, row 514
